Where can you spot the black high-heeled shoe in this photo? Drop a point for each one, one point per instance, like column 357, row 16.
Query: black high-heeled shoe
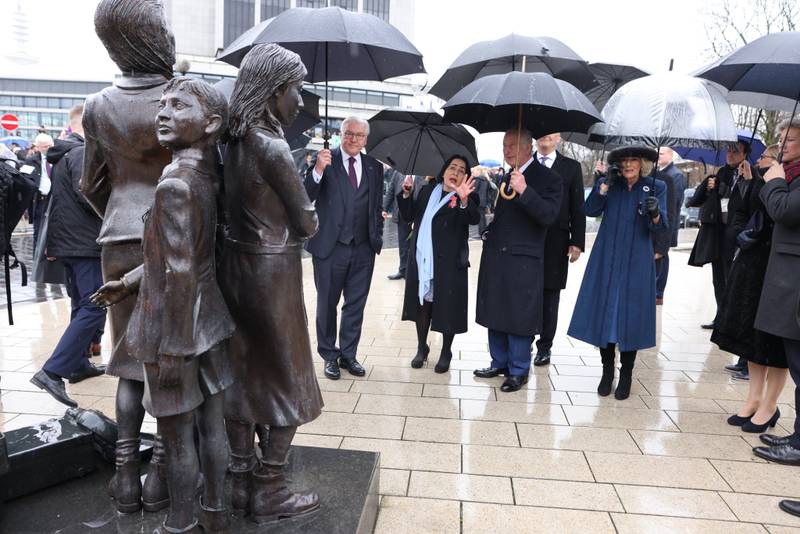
column 737, row 420
column 421, row 357
column 753, row 428
column 443, row 365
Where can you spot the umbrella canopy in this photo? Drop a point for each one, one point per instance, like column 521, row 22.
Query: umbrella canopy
column 500, row 56
column 491, row 163
column 334, row 44
column 20, row 141
column 669, row 109
column 307, row 118
column 546, row 105
column 416, row 142
column 770, row 66
column 717, row 157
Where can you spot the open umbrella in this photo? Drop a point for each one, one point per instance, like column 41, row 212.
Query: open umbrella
column 491, row 163
column 509, row 53
column 609, row 77
column 417, row 142
column 669, row 109
column 717, row 157
column 535, row 100
column 307, row 118
column 335, row 44
column 20, row 141
column 764, row 73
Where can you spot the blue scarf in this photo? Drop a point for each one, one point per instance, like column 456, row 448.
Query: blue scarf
column 425, row 241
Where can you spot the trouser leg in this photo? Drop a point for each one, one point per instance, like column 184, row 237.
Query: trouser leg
column 329, row 277
column 498, row 349
column 403, row 244
column 356, row 290
column 550, row 301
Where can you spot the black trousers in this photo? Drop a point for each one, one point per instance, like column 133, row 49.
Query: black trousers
column 403, row 244
column 792, row 347
column 347, row 271
column 550, row 300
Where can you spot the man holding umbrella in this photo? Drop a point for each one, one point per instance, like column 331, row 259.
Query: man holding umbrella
column 511, row 279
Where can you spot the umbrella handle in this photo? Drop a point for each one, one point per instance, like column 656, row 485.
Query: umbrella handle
column 505, row 194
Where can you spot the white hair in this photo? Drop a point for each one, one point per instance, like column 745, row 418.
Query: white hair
column 525, row 136
column 356, row 120
column 789, row 123
column 43, row 139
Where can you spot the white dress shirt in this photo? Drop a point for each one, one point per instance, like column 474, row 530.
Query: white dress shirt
column 550, row 159
column 44, row 183
column 346, row 166
column 524, row 166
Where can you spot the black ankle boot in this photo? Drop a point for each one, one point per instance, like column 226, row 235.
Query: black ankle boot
column 604, row 387
column 443, row 365
column 421, row 357
column 625, row 376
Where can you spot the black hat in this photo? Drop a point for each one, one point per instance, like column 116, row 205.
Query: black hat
column 616, row 155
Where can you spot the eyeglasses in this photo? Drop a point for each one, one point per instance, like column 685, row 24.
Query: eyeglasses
column 353, row 135
column 766, row 156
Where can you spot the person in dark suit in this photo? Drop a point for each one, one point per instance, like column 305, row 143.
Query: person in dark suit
column 780, row 297
column 347, row 188
column 676, row 183
column 394, row 186
column 511, row 277
column 565, row 239
column 436, row 287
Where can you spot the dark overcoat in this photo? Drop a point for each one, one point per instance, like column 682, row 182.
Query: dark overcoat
column 617, row 299
column 779, row 306
column 570, row 227
column 450, row 233
column 511, row 277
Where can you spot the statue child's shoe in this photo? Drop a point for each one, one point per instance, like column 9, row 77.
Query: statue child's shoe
column 155, row 496
column 125, row 486
column 272, row 500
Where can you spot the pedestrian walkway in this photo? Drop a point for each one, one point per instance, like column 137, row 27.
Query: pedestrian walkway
column 458, row 455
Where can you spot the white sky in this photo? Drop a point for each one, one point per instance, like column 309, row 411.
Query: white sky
column 643, row 33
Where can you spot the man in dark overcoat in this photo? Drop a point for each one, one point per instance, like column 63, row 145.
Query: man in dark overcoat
column 394, row 186
column 565, row 240
column 511, row 278
column 676, row 183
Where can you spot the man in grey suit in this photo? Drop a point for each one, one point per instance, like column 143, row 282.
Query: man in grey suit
column 346, row 187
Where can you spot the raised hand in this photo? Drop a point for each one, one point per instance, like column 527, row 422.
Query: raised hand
column 463, row 191
column 517, row 182
column 323, row 160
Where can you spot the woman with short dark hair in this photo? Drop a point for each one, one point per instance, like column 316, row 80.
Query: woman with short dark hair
column 617, row 301
column 436, row 276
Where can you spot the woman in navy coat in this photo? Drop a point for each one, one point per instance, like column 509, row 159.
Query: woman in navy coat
column 436, row 275
column 617, row 300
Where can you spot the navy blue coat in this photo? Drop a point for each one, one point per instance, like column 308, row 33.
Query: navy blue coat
column 617, row 299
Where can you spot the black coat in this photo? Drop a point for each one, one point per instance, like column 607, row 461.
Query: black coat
column 674, row 199
column 394, row 186
column 329, row 200
column 73, row 226
column 450, row 233
column 511, row 278
column 570, row 227
column 780, row 298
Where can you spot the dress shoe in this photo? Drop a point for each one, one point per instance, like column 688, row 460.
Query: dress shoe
column 709, row 326
column 443, row 365
column 741, row 375
column 89, row 371
column 421, row 357
column 396, row 276
column 781, row 454
column 513, row 383
column 772, row 440
column 332, row 370
column 352, row 366
column 55, row 387
column 790, row 507
column 737, row 420
column 542, row 358
column 489, row 372
column 734, row 368
column 753, row 428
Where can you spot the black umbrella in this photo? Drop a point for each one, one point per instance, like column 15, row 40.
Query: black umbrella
column 334, row 44
column 307, row 118
column 609, row 78
column 509, row 53
column 764, row 73
column 538, row 101
column 418, row 142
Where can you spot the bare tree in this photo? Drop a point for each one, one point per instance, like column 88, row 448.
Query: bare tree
column 734, row 23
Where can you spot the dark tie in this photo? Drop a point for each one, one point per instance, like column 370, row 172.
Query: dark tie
column 352, row 173
column 49, row 169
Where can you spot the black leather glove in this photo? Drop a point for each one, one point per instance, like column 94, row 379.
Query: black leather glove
column 651, row 207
